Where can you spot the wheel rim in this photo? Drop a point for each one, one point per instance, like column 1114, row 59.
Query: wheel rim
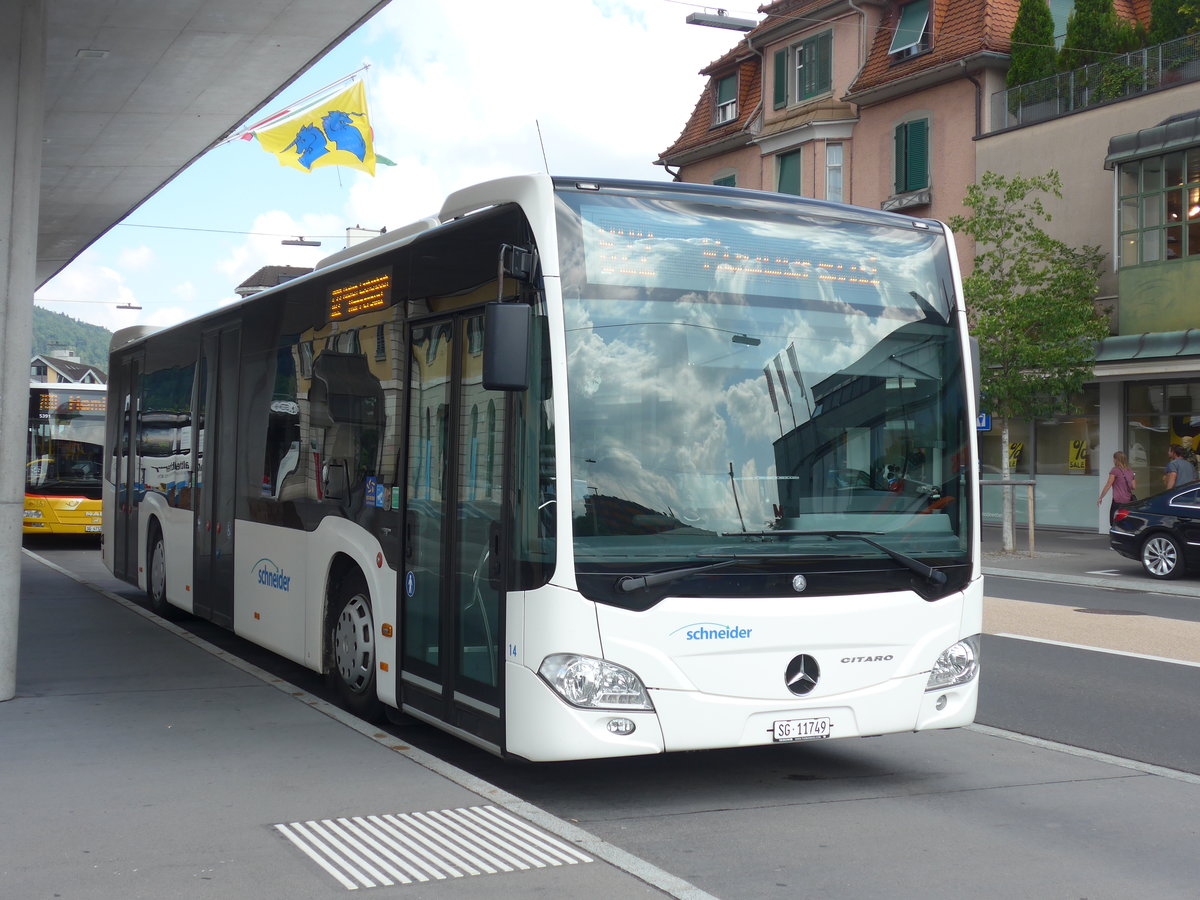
column 1160, row 556
column 353, row 644
column 158, row 571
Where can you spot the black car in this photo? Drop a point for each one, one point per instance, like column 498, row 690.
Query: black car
column 1162, row 532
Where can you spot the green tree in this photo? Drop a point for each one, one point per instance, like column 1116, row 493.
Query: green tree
column 1030, row 305
column 1095, row 33
column 1033, row 52
column 53, row 331
column 1171, row 19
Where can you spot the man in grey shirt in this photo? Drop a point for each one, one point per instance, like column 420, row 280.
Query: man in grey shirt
column 1179, row 470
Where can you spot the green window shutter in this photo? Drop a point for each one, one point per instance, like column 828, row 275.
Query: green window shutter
column 789, row 173
column 726, row 181
column 824, row 57
column 912, row 156
column 781, row 79
column 917, row 156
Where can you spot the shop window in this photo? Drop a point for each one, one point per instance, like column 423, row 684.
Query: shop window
column 1066, row 443
column 1156, row 416
column 1020, row 449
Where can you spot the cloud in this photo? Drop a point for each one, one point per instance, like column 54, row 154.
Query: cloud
column 137, row 258
column 459, row 93
column 263, row 246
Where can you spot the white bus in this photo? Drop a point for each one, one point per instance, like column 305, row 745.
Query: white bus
column 581, row 469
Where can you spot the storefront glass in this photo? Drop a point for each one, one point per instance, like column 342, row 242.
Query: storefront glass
column 1057, row 452
column 1158, row 415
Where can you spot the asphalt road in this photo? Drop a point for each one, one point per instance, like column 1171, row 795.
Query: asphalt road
column 922, row 815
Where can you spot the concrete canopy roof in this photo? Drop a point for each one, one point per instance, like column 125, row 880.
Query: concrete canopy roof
column 137, row 89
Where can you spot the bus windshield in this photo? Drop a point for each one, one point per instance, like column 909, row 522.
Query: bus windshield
column 66, row 437
column 751, row 380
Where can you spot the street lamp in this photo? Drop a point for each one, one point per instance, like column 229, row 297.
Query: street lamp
column 720, row 19
column 300, row 242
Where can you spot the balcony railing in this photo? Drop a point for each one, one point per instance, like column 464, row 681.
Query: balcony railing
column 1123, row 76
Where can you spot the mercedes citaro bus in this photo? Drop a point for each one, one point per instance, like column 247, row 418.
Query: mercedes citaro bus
column 580, row 468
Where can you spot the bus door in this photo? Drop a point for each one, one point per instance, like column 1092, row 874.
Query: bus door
column 125, row 467
column 450, row 575
column 214, row 439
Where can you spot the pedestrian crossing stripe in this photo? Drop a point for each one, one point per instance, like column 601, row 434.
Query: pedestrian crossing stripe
column 385, row 850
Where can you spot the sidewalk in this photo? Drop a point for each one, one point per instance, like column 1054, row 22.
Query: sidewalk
column 139, row 762
column 1081, row 558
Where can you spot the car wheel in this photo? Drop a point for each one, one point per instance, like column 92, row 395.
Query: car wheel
column 350, row 637
column 1161, row 556
column 156, row 573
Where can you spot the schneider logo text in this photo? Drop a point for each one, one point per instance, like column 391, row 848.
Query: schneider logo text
column 713, row 631
column 270, row 575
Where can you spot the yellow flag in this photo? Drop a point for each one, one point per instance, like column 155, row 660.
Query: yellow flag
column 335, row 131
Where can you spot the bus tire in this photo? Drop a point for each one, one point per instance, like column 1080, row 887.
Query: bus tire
column 156, row 572
column 350, row 639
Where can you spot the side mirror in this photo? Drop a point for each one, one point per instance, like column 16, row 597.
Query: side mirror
column 506, row 346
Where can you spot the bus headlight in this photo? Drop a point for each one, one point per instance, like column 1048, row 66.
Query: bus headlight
column 34, row 514
column 957, row 665
column 594, row 683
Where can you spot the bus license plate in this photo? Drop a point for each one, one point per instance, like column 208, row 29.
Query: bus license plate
column 92, row 528
column 802, row 729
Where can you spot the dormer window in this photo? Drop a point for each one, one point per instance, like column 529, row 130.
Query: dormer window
column 912, row 34
column 726, row 108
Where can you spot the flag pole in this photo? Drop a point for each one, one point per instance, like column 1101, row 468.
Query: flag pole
column 247, row 133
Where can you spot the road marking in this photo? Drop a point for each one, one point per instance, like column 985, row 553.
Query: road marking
column 1043, row 744
column 669, row 884
column 374, row 851
column 1111, row 572
column 1164, row 659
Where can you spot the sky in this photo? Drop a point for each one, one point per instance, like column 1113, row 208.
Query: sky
column 457, row 93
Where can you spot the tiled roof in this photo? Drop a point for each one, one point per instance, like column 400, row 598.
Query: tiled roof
column 699, row 130
column 269, row 276
column 73, row 370
column 961, row 28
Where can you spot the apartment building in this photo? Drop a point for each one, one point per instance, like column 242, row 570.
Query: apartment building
column 902, row 105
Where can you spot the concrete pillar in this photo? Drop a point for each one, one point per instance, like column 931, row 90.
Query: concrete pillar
column 22, row 95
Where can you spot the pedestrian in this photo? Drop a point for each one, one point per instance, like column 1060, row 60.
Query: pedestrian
column 1122, row 480
column 1179, row 470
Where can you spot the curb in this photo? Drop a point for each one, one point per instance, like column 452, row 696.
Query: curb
column 1112, row 583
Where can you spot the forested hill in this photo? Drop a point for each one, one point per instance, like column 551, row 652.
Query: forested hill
column 52, row 332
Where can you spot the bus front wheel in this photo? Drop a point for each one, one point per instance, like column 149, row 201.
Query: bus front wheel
column 156, row 573
column 350, row 638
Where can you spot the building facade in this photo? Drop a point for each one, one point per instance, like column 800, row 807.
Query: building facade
column 902, row 105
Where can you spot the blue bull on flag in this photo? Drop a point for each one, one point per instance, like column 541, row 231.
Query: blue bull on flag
column 335, row 131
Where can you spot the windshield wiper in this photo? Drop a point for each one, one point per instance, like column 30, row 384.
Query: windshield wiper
column 630, row 583
column 929, row 573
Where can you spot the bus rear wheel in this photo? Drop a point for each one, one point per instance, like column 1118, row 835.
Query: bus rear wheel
column 350, row 637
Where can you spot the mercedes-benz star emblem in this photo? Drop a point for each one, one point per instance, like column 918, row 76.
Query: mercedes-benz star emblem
column 802, row 674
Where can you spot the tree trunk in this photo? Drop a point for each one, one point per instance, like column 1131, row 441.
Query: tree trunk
column 1007, row 523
